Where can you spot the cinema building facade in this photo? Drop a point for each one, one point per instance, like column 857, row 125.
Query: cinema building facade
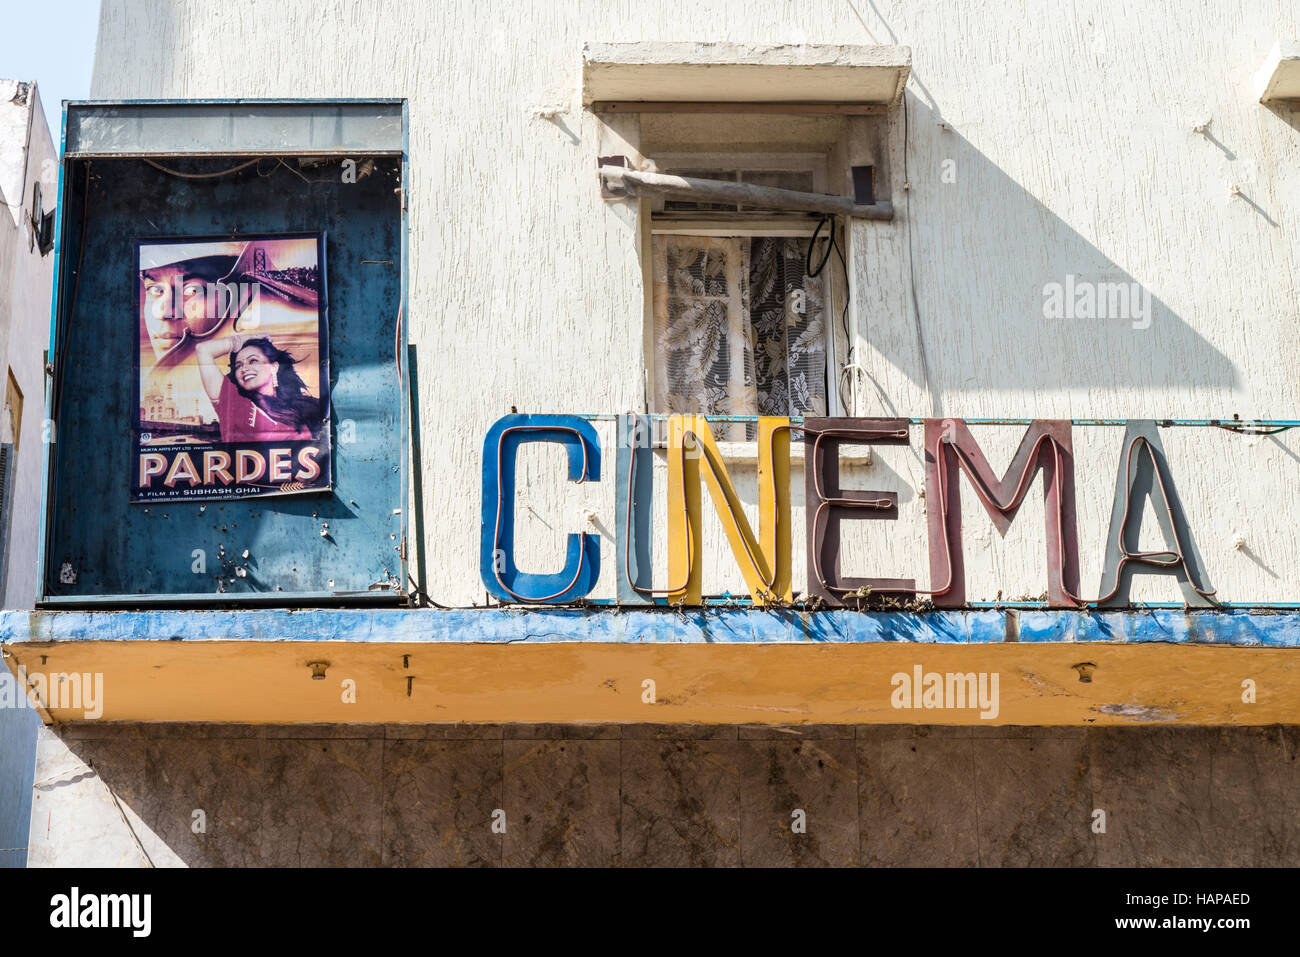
column 710, row 439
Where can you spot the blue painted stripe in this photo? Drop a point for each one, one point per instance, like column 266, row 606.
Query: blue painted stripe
column 1224, row 423
column 651, row 626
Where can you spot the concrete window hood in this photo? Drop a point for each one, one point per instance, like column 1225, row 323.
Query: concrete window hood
column 659, row 74
column 1279, row 78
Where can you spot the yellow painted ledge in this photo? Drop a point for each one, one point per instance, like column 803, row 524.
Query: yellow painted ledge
column 1039, row 684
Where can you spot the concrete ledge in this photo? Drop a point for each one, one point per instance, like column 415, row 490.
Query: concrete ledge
column 334, row 682
column 743, row 72
column 1279, row 78
column 705, row 666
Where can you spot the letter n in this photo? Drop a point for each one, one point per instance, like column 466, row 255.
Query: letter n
column 951, row 450
column 765, row 560
column 827, row 505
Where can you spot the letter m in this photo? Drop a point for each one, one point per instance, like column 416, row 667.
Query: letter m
column 1113, row 301
column 950, row 451
column 65, row 690
column 962, row 690
column 117, row 905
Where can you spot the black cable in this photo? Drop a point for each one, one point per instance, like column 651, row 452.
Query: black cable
column 844, row 313
column 1249, row 430
column 844, row 269
column 911, row 271
column 424, row 596
column 255, row 161
column 807, row 261
column 178, row 173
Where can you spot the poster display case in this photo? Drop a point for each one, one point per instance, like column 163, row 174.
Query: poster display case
column 226, row 402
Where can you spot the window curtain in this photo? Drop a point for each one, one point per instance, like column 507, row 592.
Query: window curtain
column 739, row 330
column 787, row 319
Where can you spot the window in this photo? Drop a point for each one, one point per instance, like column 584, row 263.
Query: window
column 739, row 327
column 13, row 411
column 10, row 432
column 42, row 222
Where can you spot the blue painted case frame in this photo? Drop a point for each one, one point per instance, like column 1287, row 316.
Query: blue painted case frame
column 345, row 547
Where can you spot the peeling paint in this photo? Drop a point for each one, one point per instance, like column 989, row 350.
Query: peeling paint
column 1138, row 712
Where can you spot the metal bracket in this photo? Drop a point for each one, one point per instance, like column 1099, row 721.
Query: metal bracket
column 609, row 190
column 618, row 181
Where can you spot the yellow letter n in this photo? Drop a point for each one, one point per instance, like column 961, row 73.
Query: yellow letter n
column 764, row 561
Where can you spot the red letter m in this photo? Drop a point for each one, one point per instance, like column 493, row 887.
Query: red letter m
column 950, row 449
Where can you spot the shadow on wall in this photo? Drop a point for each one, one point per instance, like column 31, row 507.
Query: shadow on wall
column 1288, row 112
column 1036, row 305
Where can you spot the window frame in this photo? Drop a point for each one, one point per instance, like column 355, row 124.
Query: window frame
column 741, row 224
column 14, row 407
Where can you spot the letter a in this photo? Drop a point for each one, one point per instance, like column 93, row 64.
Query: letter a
column 1144, row 474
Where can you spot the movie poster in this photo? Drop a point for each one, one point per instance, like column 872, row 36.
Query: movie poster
column 233, row 369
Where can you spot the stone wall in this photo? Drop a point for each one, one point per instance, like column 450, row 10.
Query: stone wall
column 637, row 795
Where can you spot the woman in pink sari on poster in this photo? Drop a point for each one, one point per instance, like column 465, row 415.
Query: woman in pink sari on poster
column 262, row 398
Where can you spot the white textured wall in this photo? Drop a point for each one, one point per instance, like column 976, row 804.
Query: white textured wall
column 13, row 154
column 26, row 153
column 26, row 278
column 10, row 232
column 1070, row 133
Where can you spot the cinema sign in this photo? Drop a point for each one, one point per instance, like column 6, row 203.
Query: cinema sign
column 765, row 559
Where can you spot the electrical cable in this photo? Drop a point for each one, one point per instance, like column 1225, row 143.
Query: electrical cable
column 807, row 261
column 844, row 313
column 235, row 169
column 424, row 596
column 224, row 172
column 1247, row 430
column 300, row 175
column 911, row 272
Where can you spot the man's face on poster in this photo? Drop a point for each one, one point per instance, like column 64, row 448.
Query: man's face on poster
column 177, row 306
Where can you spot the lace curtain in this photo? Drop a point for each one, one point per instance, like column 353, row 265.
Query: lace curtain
column 739, row 329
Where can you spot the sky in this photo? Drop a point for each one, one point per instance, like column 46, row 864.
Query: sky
column 53, row 43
